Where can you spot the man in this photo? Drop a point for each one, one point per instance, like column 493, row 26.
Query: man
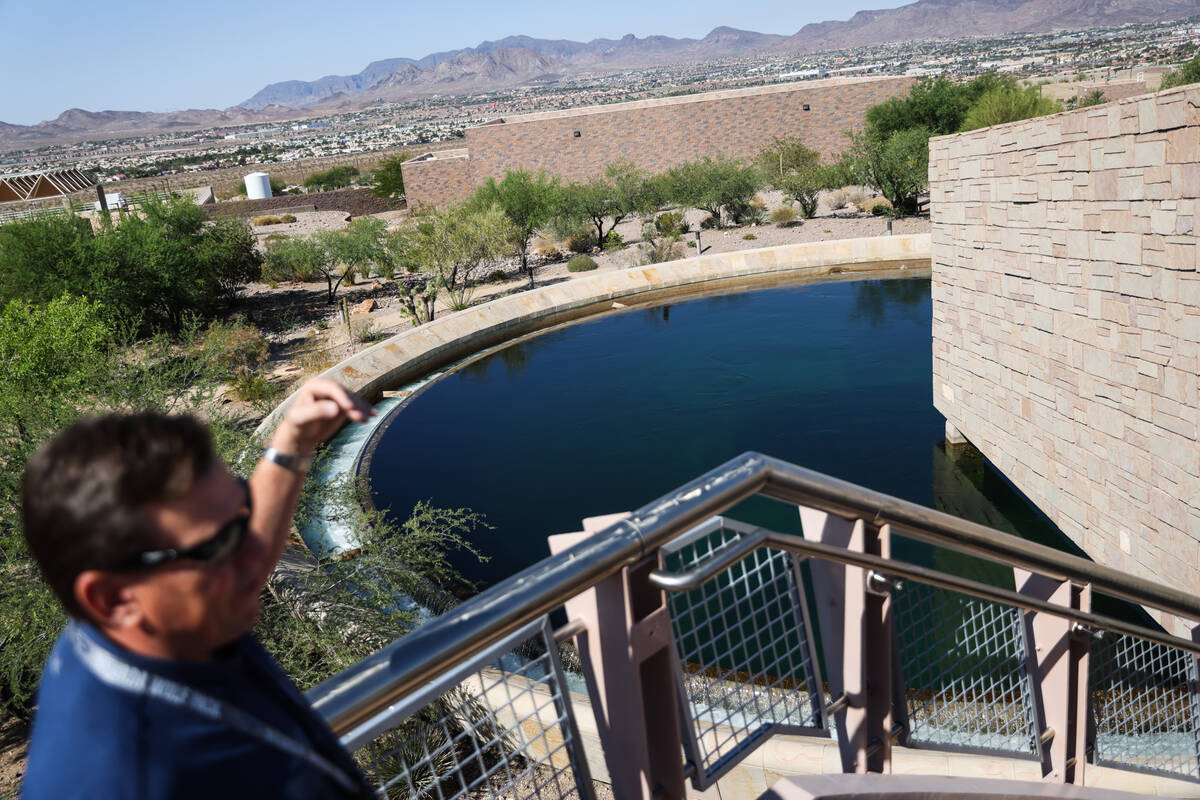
column 157, row 689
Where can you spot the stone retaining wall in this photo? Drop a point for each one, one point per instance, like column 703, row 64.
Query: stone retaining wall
column 655, row 134
column 1066, row 319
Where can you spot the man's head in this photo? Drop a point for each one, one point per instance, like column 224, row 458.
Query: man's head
column 109, row 489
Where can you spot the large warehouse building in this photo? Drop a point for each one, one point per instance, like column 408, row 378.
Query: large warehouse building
column 655, row 134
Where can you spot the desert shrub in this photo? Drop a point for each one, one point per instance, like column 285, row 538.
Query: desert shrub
column 235, row 346
column 267, row 219
column 153, row 270
column 1188, row 72
column 581, row 263
column 749, row 237
column 545, row 247
column 301, row 260
column 783, row 216
column 881, row 209
column 710, row 222
column 660, row 250
column 837, row 199
column 497, row 276
column 272, row 238
column 613, row 241
column 580, row 242
column 1093, row 98
column 336, row 178
column 365, row 331
column 252, row 388
column 747, row 212
column 288, row 218
column 857, row 198
column 671, row 223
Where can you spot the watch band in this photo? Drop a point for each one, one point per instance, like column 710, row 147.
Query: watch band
column 295, row 463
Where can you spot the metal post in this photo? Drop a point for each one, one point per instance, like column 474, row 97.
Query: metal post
column 841, row 606
column 103, row 198
column 1057, row 660
column 630, row 667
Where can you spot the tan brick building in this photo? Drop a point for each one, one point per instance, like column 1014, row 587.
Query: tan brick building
column 1066, row 319
column 655, row 134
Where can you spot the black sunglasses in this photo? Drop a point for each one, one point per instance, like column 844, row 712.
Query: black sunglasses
column 212, row 551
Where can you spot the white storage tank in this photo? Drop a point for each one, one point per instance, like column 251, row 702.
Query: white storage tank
column 258, row 185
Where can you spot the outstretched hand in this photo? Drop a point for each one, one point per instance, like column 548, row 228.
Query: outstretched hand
column 320, row 408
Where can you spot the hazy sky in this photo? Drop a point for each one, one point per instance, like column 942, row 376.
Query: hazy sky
column 138, row 55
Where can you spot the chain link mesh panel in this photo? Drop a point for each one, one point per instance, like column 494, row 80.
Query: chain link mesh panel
column 743, row 642
column 965, row 676
column 1146, row 706
column 500, row 727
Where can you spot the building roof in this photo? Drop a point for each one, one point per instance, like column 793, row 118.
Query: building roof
column 44, row 185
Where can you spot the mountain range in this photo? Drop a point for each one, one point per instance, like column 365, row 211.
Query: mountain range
column 514, row 60
column 524, row 60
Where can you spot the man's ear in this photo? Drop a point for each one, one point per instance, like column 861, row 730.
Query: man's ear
column 107, row 599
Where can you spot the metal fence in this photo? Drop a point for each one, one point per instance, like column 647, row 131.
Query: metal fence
column 500, row 726
column 966, row 680
column 748, row 667
column 451, row 710
column 1145, row 706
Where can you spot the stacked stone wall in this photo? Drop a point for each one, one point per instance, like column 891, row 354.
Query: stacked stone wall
column 656, row 134
column 1066, row 319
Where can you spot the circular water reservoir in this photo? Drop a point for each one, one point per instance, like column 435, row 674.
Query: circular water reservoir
column 607, row 415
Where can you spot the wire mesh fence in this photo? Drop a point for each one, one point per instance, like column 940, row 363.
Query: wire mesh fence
column 1146, row 706
column 744, row 643
column 964, row 668
column 500, row 726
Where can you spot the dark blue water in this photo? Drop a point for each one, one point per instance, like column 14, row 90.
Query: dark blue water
column 607, row 415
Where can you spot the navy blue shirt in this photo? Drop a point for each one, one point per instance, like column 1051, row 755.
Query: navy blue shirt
column 93, row 740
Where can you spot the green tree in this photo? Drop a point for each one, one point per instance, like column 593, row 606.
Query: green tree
column 798, row 171
column 937, row 104
column 1188, row 72
column 359, row 248
column 898, row 167
column 784, row 156
column 528, row 199
column 622, row 191
column 1008, row 104
column 713, row 184
column 388, row 177
column 334, row 178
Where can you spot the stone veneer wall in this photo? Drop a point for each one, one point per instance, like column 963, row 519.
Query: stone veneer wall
column 1066, row 319
column 655, row 134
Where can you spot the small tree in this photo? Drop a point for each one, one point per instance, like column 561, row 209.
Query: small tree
column 622, row 191
column 712, row 184
column 897, row 167
column 359, row 248
column 1188, row 72
column 455, row 244
column 388, row 177
column 528, row 199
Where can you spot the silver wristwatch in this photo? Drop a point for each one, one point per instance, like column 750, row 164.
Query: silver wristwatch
column 295, row 463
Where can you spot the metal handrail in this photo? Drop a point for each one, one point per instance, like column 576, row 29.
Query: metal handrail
column 359, row 692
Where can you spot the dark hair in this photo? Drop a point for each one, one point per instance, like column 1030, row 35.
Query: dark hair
column 84, row 492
